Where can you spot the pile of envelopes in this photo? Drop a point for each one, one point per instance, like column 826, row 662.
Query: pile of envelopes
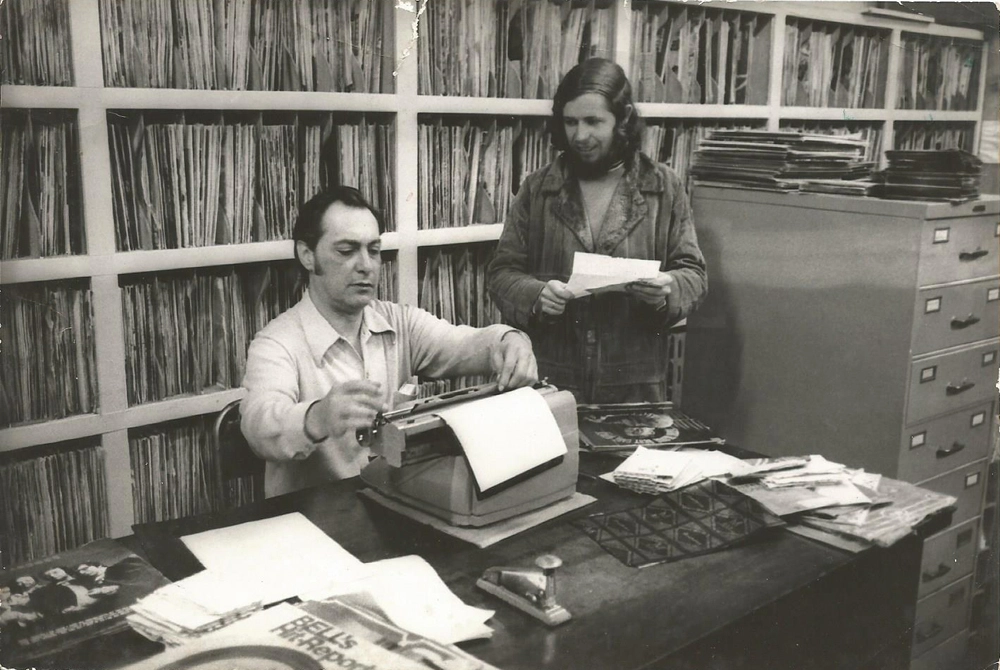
column 191, row 607
column 829, row 499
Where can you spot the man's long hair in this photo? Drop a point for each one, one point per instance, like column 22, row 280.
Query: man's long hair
column 606, row 78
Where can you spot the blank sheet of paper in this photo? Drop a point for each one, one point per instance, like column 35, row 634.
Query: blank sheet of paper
column 413, row 596
column 279, row 557
column 505, row 435
column 594, row 272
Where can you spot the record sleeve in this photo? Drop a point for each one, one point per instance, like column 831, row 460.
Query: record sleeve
column 623, row 427
column 51, row 604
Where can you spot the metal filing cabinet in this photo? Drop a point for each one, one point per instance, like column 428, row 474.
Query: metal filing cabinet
column 865, row 330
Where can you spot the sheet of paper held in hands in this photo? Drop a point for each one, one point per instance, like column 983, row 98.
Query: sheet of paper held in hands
column 276, row 558
column 596, row 273
column 412, row 595
column 505, row 435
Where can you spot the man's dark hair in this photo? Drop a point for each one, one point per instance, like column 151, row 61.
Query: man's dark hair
column 606, row 78
column 309, row 224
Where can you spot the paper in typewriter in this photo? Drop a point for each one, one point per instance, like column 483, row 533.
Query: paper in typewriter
column 505, row 435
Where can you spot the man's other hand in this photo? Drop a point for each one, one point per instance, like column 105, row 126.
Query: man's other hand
column 514, row 361
column 652, row 291
column 348, row 407
column 553, row 298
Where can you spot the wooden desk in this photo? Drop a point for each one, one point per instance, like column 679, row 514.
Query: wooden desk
column 778, row 602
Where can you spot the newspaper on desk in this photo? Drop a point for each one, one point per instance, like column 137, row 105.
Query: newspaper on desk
column 337, row 633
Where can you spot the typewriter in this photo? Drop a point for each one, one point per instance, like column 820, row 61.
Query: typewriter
column 419, row 462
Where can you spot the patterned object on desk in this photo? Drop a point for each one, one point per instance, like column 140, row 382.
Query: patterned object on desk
column 695, row 520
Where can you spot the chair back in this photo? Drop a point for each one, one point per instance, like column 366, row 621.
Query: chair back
column 236, row 459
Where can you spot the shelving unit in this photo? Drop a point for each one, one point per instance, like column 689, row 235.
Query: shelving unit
column 103, row 266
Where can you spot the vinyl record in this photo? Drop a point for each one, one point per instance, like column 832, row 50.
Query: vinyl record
column 247, row 657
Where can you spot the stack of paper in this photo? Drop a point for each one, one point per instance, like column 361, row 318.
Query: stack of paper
column 778, row 160
column 949, row 174
column 288, row 556
column 190, row 608
column 655, row 472
column 898, row 508
column 276, row 558
column 791, row 485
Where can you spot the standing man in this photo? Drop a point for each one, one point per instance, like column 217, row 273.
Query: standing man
column 322, row 370
column 601, row 195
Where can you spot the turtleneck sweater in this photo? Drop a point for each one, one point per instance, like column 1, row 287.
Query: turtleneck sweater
column 597, row 194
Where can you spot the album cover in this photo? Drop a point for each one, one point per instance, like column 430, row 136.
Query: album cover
column 54, row 603
column 651, row 425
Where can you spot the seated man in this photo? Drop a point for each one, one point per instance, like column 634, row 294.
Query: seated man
column 322, row 370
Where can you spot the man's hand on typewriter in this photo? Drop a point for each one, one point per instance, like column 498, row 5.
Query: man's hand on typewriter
column 348, row 407
column 514, row 362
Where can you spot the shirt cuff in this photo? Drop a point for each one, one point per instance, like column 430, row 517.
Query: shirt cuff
column 515, row 330
column 305, row 426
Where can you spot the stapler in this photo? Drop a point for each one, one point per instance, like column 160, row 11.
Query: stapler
column 529, row 590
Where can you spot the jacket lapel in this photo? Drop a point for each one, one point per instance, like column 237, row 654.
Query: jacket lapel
column 628, row 207
column 567, row 206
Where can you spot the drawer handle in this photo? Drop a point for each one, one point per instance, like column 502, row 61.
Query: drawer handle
column 952, row 389
column 959, row 324
column 942, row 570
column 955, row 448
column 972, row 255
column 933, row 630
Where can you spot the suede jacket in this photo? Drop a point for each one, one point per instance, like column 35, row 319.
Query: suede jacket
column 610, row 347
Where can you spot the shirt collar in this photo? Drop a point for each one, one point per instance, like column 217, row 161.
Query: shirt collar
column 320, row 335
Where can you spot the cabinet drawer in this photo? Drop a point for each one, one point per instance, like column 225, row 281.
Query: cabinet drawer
column 941, row 615
column 966, row 484
column 946, row 382
column 953, row 249
column 949, row 654
column 948, row 556
column 940, row 445
column 947, row 316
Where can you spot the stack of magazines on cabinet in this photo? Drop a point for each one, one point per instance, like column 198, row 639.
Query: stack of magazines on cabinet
column 779, row 161
column 621, row 428
column 949, row 174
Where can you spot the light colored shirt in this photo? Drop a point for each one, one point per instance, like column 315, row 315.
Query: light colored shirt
column 298, row 357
